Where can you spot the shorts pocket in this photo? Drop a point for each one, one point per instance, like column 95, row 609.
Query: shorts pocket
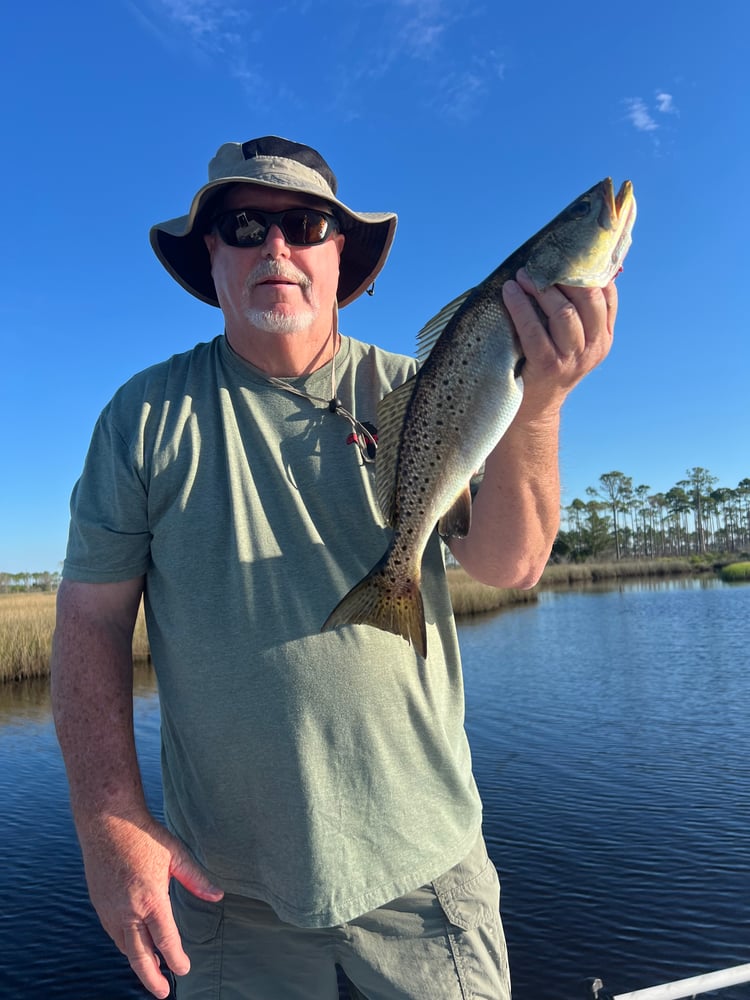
column 198, row 920
column 469, row 896
column 469, row 893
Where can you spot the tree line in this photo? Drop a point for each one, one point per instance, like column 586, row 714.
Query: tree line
column 623, row 521
column 45, row 582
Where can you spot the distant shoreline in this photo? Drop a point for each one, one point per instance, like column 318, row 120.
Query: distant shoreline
column 27, row 620
column 470, row 597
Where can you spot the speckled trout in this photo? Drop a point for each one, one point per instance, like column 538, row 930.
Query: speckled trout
column 437, row 429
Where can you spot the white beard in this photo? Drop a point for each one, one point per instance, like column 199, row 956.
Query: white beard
column 271, row 321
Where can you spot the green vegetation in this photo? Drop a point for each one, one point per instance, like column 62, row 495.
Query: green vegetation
column 24, row 583
column 620, row 521
column 736, row 571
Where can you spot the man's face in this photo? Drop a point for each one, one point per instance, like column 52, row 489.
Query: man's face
column 274, row 287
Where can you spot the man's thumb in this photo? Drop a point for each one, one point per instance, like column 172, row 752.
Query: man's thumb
column 188, row 874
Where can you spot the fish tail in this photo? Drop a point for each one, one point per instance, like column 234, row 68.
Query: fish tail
column 391, row 605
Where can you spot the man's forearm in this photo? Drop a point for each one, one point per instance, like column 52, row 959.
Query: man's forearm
column 92, row 702
column 515, row 515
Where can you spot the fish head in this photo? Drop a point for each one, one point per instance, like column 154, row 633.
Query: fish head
column 586, row 243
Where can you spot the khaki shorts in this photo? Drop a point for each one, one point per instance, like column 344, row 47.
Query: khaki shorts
column 444, row 941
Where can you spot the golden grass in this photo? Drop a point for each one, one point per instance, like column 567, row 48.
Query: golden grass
column 567, row 574
column 27, row 622
column 471, row 598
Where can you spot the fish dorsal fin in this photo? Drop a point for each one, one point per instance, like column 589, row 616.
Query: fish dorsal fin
column 391, row 414
column 456, row 521
column 433, row 328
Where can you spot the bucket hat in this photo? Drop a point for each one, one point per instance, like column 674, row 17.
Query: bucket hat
column 272, row 162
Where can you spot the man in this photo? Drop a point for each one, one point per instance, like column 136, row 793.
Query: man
column 320, row 808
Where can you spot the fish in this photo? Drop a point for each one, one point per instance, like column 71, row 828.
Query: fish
column 436, row 430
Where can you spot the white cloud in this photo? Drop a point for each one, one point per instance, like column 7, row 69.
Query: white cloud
column 645, row 118
column 210, row 24
column 665, row 103
column 436, row 39
column 639, row 115
column 423, row 25
column 459, row 94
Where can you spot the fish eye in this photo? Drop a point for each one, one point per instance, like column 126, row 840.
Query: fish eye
column 580, row 208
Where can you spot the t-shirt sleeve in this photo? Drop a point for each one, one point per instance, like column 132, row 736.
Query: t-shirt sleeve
column 109, row 538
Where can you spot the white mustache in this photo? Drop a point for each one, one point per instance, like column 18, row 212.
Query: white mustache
column 277, row 269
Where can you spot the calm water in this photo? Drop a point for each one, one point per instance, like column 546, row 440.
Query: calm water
column 611, row 742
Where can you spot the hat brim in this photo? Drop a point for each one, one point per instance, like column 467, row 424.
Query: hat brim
column 180, row 246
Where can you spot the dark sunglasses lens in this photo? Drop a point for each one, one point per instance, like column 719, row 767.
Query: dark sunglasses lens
column 304, row 227
column 249, row 228
column 242, row 228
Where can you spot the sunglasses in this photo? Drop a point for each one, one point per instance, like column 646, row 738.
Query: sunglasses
column 248, row 227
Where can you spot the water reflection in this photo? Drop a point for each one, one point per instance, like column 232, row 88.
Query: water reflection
column 707, row 581
column 29, row 700
column 24, row 701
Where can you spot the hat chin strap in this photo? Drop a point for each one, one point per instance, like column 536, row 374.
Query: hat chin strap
column 363, row 438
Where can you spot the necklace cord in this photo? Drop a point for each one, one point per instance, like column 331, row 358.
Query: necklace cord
column 362, row 437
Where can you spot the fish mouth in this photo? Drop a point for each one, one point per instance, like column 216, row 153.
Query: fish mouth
column 608, row 211
column 624, row 195
column 625, row 205
column 616, row 209
column 626, row 211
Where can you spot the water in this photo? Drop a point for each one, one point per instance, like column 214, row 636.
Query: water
column 611, row 744
column 52, row 945
column 610, row 736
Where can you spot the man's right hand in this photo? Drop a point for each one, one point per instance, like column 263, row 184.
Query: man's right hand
column 128, row 865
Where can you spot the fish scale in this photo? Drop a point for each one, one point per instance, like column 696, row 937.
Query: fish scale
column 436, row 430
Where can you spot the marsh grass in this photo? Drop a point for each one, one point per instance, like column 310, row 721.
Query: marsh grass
column 27, row 622
column 736, row 571
column 573, row 574
column 471, row 598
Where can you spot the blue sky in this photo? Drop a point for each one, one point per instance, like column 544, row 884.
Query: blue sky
column 476, row 123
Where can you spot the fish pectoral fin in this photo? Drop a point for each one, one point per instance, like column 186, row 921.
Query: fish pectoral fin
column 456, row 521
column 391, row 415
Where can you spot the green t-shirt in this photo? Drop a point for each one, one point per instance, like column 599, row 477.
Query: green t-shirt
column 325, row 773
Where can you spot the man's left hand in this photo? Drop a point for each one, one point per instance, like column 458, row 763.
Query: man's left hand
column 579, row 336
